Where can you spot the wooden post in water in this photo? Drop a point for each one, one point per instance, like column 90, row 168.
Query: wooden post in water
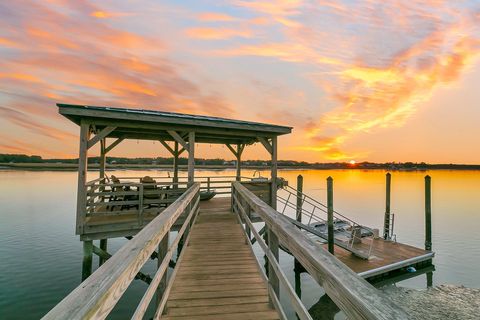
column 428, row 213
column 299, row 197
column 103, row 246
column 87, row 259
column 330, row 215
column 386, row 221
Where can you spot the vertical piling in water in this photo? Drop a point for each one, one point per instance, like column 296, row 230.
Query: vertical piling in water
column 103, row 246
column 428, row 213
column 299, row 197
column 87, row 259
column 297, row 265
column 386, row 222
column 330, row 215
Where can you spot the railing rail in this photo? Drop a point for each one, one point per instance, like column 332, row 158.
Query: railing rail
column 352, row 294
column 98, row 294
column 312, row 209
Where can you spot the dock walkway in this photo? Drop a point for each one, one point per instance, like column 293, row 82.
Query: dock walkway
column 218, row 277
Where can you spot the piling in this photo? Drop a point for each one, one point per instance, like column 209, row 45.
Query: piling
column 386, row 222
column 299, row 197
column 428, row 213
column 87, row 259
column 330, row 215
column 103, row 246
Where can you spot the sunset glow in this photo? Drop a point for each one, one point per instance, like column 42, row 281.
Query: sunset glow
column 364, row 80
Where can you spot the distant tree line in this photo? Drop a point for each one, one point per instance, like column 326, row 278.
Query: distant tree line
column 22, row 158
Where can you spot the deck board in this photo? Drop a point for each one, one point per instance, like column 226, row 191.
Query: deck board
column 218, row 277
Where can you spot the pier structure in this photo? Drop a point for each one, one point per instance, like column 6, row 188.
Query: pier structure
column 216, row 274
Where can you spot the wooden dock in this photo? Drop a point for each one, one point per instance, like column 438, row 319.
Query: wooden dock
column 218, row 277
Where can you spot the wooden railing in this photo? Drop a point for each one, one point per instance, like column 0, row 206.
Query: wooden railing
column 97, row 295
column 352, row 294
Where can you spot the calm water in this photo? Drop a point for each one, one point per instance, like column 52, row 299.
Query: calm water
column 40, row 257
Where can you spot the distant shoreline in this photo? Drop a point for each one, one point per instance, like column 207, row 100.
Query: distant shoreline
column 325, row 166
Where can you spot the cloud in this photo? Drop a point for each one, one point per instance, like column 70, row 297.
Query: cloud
column 215, row 17
column 216, row 33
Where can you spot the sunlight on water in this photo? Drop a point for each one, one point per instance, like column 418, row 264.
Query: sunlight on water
column 41, row 256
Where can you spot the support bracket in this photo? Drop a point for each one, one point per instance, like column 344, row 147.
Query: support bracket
column 99, row 136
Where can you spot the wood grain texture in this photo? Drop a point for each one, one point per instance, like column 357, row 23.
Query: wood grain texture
column 218, row 277
column 356, row 297
column 97, row 295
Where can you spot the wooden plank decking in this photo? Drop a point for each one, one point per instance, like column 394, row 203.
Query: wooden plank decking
column 218, row 277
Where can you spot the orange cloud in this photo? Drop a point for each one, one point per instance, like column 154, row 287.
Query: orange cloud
column 215, row 17
column 216, row 33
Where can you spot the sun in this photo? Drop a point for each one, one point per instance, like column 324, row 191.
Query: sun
column 352, row 162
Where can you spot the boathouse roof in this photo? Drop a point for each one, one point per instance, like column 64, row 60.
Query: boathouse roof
column 152, row 124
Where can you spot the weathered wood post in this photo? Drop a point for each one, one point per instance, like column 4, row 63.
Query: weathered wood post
column 239, row 162
column 208, row 184
column 299, row 197
column 175, row 166
column 428, row 213
column 162, row 252
column 330, row 215
column 386, row 221
column 274, row 173
column 191, row 158
column 87, row 259
column 272, row 276
column 103, row 246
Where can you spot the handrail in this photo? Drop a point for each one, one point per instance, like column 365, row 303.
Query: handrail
column 99, row 293
column 352, row 294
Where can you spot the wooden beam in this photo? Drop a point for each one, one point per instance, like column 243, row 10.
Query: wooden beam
column 181, row 151
column 266, row 144
column 191, row 157
column 113, row 145
column 231, row 149
column 99, row 136
column 167, row 147
column 178, row 138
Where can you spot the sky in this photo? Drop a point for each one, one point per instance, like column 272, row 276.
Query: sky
column 358, row 80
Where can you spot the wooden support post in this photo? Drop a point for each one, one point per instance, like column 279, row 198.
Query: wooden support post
column 162, row 252
column 87, row 259
column 208, row 184
column 103, row 159
column 82, row 176
column 272, row 276
column 429, row 279
column 191, row 157
column 274, row 173
column 299, row 197
column 428, row 213
column 175, row 166
column 103, row 246
column 331, row 237
column 386, row 221
column 239, row 161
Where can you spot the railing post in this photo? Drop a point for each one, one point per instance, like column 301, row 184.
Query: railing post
column 330, row 215
column 386, row 221
column 272, row 276
column 428, row 213
column 299, row 197
column 87, row 259
column 208, row 184
column 162, row 252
